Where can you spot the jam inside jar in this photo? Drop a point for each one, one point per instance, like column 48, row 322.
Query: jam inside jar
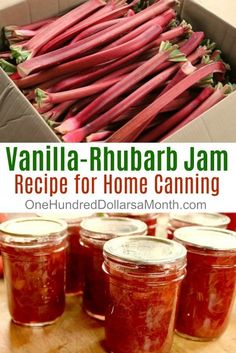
column 179, row 220
column 143, row 276
column 208, row 290
column 34, row 257
column 74, row 261
column 94, row 234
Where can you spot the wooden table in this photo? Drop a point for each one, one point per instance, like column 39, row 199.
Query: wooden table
column 75, row 332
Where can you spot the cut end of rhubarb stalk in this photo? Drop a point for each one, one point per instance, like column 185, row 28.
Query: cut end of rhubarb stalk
column 20, row 54
column 75, row 136
column 7, row 67
column 40, row 96
column 68, row 125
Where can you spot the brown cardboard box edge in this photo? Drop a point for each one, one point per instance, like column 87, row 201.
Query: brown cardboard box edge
column 19, row 122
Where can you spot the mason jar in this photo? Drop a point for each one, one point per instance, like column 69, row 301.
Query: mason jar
column 179, row 220
column 74, row 263
column 143, row 277
column 94, row 234
column 34, row 258
column 208, row 290
column 149, row 218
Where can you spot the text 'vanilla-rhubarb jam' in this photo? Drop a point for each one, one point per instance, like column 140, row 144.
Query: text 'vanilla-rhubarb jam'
column 179, row 220
column 34, row 258
column 143, row 276
column 94, row 234
column 74, row 261
column 208, row 290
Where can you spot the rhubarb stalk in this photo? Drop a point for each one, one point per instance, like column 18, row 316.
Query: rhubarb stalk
column 137, row 44
column 166, row 52
column 175, row 119
column 42, row 97
column 219, row 94
column 131, row 130
column 75, row 49
column 55, row 28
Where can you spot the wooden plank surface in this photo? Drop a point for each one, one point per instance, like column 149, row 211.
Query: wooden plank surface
column 75, row 332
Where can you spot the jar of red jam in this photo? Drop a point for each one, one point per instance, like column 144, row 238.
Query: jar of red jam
column 34, row 258
column 208, row 290
column 74, row 263
column 232, row 224
column 94, row 234
column 179, row 220
column 149, row 218
column 143, row 276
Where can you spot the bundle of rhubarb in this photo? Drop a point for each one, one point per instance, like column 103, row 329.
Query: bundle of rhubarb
column 115, row 72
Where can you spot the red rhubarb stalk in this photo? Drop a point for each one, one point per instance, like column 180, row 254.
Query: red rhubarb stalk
column 56, row 112
column 162, row 21
column 24, row 33
column 131, row 130
column 75, row 49
column 137, row 44
column 98, row 136
column 43, row 97
column 55, row 28
column 78, row 80
column 99, row 27
column 175, row 119
column 166, row 52
column 108, row 12
column 185, row 70
column 31, row 27
column 219, row 93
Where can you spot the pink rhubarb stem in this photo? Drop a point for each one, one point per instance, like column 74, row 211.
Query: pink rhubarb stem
column 75, row 49
column 148, row 68
column 175, row 119
column 98, row 136
column 61, row 24
column 55, row 113
column 94, row 59
column 60, row 97
column 213, row 99
column 76, row 81
column 97, row 28
column 131, row 130
column 108, row 12
column 162, row 21
column 185, row 70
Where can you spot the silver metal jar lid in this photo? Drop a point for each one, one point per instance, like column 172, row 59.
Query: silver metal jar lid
column 68, row 217
column 207, row 238
column 25, row 230
column 144, row 250
column 203, row 219
column 117, row 226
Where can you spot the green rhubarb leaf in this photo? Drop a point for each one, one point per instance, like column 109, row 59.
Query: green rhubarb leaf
column 19, row 54
column 7, row 67
column 177, row 56
column 40, row 96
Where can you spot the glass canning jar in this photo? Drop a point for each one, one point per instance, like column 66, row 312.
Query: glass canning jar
column 149, row 218
column 94, row 233
column 143, row 276
column 34, row 258
column 74, row 263
column 232, row 224
column 179, row 220
column 207, row 292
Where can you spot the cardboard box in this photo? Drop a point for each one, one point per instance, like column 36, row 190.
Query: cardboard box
column 19, row 122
